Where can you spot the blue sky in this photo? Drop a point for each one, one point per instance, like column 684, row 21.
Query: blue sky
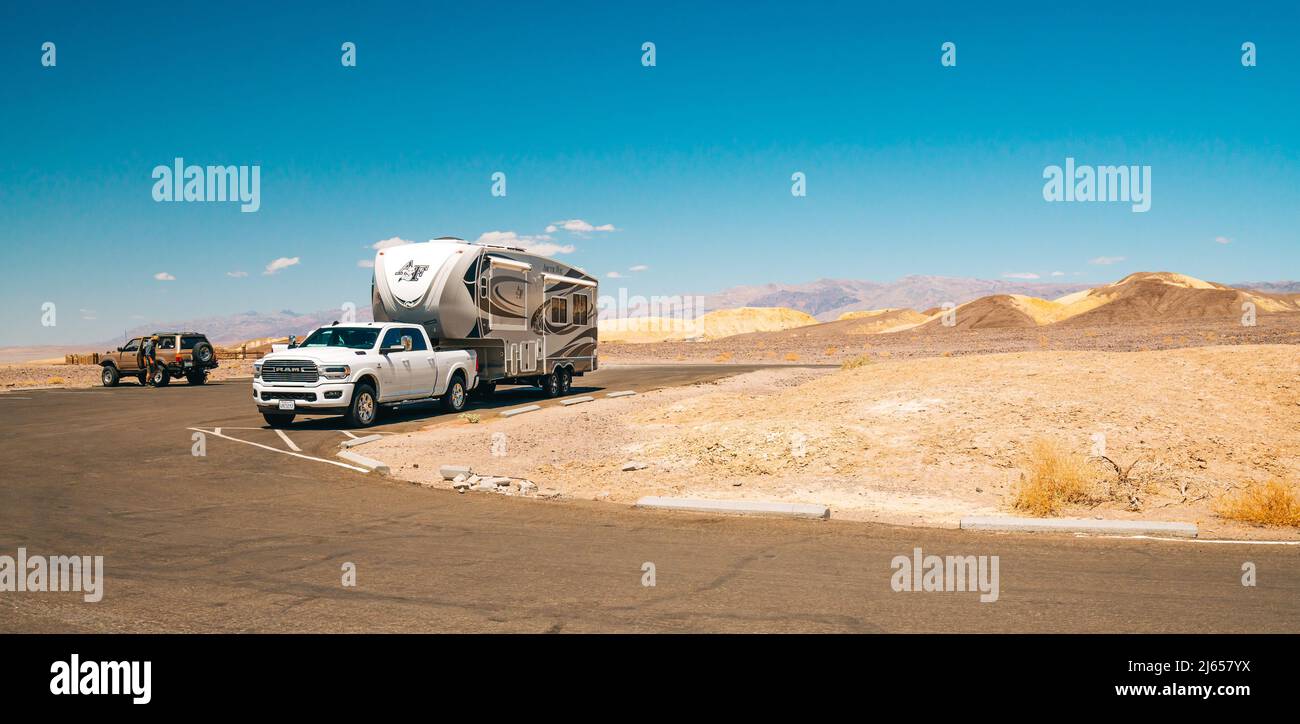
column 912, row 168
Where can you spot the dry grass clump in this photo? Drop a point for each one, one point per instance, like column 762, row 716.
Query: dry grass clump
column 791, row 357
column 1273, row 503
column 1053, row 478
column 856, row 362
column 723, row 357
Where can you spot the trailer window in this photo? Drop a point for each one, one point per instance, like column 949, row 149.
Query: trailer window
column 580, row 308
column 559, row 310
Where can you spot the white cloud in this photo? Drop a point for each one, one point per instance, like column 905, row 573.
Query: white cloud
column 164, row 277
column 280, row 264
column 1222, row 240
column 1107, row 260
column 639, row 268
column 540, row 244
column 389, row 243
column 614, row 275
column 1020, row 275
column 1058, row 274
column 366, row 263
column 577, row 226
column 88, row 314
column 237, row 274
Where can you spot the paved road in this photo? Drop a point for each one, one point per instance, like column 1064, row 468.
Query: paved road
column 251, row 538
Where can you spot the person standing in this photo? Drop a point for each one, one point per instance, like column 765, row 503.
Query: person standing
column 149, row 356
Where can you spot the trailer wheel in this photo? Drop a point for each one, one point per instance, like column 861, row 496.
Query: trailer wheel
column 197, row 377
column 453, row 400
column 566, row 380
column 550, row 384
column 109, row 376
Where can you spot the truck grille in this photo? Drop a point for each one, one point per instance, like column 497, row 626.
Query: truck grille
column 289, row 370
column 304, row 396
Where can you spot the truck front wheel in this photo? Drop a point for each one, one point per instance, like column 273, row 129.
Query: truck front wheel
column 364, row 407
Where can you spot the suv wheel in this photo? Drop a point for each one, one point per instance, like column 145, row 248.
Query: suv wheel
column 453, row 400
column 109, row 376
column 364, row 408
column 160, row 377
column 197, row 377
column 277, row 420
column 203, row 353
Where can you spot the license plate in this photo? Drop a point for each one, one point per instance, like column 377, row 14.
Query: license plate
column 287, row 405
column 189, row 363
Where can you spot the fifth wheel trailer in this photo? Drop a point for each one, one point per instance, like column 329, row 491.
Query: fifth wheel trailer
column 531, row 320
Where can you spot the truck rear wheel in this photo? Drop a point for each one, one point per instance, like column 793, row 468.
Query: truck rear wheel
column 160, row 377
column 364, row 407
column 109, row 376
column 197, row 377
column 453, row 400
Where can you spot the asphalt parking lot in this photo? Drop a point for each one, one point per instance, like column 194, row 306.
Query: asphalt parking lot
column 253, row 536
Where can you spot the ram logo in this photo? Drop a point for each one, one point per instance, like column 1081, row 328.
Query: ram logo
column 411, row 272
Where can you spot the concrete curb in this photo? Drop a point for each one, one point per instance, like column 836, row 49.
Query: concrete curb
column 520, row 411
column 371, row 464
column 622, row 393
column 738, row 507
column 576, row 401
column 1007, row 523
column 360, row 441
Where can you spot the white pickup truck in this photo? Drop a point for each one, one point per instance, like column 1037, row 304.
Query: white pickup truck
column 353, row 369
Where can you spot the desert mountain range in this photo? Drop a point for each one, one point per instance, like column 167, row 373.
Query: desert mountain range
column 1143, row 297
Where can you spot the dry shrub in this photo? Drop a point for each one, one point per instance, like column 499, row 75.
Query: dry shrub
column 791, row 357
column 1043, row 342
column 1052, row 478
column 856, row 362
column 55, row 381
column 724, row 357
column 1271, row 503
column 830, row 351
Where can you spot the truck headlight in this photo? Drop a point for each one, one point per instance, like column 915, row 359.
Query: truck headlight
column 340, row 372
column 257, row 370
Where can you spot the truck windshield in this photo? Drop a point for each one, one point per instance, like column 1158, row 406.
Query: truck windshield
column 350, row 337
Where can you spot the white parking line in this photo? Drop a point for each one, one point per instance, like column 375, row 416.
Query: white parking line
column 287, row 441
column 1208, row 540
column 11, row 397
column 278, row 450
